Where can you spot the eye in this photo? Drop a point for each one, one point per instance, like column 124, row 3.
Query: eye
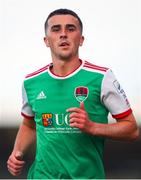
column 55, row 28
column 71, row 28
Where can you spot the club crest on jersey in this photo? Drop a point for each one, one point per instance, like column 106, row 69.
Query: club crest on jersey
column 81, row 93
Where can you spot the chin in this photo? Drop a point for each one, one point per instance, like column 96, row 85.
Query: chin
column 65, row 56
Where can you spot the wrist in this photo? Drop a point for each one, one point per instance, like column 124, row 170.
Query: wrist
column 92, row 128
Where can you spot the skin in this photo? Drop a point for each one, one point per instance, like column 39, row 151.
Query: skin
column 26, row 137
column 64, row 38
column 124, row 129
column 65, row 58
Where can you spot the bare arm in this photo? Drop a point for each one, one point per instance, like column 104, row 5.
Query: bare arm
column 124, row 129
column 25, row 137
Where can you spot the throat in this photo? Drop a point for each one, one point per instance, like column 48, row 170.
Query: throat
column 65, row 69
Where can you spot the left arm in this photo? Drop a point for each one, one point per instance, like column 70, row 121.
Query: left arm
column 124, row 129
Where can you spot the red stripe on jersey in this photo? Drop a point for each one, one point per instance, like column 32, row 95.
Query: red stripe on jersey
column 26, row 116
column 96, row 68
column 92, row 66
column 122, row 115
column 37, row 72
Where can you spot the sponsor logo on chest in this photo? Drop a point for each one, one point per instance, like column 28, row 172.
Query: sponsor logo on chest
column 60, row 121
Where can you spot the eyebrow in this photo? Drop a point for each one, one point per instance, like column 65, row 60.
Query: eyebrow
column 71, row 25
column 54, row 26
column 59, row 25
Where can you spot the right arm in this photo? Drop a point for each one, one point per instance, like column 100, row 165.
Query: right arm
column 25, row 137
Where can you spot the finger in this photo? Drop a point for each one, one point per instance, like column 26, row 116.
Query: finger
column 74, row 109
column 76, row 125
column 14, row 173
column 82, row 106
column 11, row 169
column 13, row 165
column 75, row 115
column 81, row 116
column 13, row 160
column 74, row 120
column 19, row 155
column 14, row 170
column 77, row 120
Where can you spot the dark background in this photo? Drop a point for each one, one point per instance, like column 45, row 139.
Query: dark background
column 121, row 159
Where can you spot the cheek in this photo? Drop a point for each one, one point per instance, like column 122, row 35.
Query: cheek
column 51, row 43
column 76, row 43
column 77, row 40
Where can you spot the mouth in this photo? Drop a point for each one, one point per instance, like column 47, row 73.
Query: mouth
column 64, row 44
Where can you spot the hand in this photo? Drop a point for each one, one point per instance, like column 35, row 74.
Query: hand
column 15, row 163
column 79, row 118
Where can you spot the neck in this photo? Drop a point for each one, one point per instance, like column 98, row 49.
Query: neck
column 63, row 68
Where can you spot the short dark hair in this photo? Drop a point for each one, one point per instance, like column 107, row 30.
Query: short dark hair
column 63, row 12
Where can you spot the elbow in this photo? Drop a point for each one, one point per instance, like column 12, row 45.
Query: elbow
column 134, row 135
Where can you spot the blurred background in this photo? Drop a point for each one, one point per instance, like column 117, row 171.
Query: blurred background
column 112, row 39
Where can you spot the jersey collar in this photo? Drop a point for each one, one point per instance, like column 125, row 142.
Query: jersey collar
column 67, row 76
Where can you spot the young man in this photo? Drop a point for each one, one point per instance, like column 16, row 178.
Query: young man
column 65, row 109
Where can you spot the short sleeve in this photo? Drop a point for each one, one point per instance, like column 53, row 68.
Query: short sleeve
column 114, row 97
column 26, row 110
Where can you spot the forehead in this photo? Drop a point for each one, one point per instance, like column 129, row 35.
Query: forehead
column 62, row 20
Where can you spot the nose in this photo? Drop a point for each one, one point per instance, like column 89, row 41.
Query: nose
column 63, row 34
column 63, row 37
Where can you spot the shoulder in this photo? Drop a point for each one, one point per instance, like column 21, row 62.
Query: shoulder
column 37, row 72
column 94, row 68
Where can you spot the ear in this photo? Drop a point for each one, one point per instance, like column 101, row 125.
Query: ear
column 81, row 41
column 46, row 41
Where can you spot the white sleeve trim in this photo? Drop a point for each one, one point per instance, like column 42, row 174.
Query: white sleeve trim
column 26, row 108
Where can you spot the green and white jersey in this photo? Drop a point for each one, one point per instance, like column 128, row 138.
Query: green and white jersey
column 64, row 152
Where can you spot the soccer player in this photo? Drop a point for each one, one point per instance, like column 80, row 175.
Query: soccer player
column 65, row 109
